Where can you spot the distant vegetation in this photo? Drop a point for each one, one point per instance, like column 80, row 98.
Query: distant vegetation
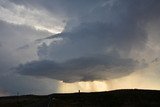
column 117, row 98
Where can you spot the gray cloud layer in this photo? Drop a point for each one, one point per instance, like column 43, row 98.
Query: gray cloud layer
column 81, row 69
column 97, row 41
column 11, row 38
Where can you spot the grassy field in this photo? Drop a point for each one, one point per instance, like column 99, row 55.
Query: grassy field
column 117, row 98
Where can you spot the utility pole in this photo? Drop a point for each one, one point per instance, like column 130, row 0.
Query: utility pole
column 18, row 99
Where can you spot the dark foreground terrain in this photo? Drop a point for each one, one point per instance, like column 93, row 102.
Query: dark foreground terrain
column 118, row 98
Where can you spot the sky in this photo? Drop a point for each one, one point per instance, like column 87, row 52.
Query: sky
column 50, row 46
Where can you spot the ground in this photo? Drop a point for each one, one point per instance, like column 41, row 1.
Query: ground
column 117, row 98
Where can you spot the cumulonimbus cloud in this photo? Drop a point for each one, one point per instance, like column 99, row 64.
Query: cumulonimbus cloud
column 99, row 44
column 99, row 67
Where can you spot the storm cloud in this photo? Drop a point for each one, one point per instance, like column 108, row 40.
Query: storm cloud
column 90, row 68
column 97, row 41
column 44, row 42
column 11, row 38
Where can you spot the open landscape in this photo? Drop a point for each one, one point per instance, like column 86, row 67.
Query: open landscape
column 79, row 53
column 117, row 98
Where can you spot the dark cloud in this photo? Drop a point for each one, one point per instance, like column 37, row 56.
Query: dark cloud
column 13, row 83
column 97, row 40
column 100, row 67
column 94, row 38
column 11, row 37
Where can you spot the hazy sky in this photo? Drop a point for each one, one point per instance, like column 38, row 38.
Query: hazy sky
column 49, row 46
